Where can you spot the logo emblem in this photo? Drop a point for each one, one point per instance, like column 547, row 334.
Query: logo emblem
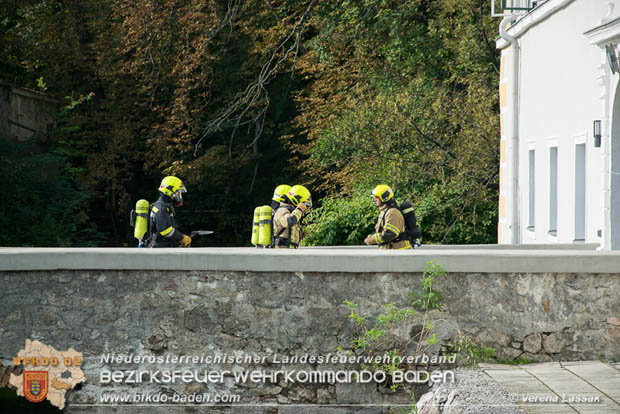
column 36, row 385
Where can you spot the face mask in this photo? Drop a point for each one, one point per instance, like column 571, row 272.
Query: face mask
column 178, row 197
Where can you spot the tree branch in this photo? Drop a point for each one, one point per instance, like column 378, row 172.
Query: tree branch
column 256, row 91
column 273, row 11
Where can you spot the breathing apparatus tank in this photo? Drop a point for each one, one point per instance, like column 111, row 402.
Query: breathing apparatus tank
column 264, row 226
column 411, row 225
column 141, row 225
column 255, row 226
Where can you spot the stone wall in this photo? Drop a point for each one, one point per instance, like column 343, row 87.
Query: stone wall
column 540, row 317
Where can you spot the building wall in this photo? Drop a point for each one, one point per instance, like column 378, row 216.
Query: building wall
column 559, row 99
column 561, row 91
column 24, row 112
column 503, row 161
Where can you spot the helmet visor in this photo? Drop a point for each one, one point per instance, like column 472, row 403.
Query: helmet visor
column 178, row 195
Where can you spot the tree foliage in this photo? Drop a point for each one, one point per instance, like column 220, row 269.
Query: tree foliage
column 340, row 221
column 236, row 97
column 404, row 94
column 42, row 205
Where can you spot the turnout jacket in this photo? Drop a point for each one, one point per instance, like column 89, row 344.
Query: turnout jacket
column 164, row 232
column 286, row 226
column 389, row 228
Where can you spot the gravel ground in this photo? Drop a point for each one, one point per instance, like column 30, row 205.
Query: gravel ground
column 474, row 392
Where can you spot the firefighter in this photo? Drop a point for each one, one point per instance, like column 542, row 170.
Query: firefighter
column 278, row 196
column 163, row 228
column 390, row 228
column 287, row 218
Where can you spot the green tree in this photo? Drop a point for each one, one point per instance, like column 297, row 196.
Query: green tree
column 161, row 72
column 237, row 97
column 404, row 93
column 41, row 204
column 341, row 221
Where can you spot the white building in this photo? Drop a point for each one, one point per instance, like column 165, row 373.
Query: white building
column 560, row 176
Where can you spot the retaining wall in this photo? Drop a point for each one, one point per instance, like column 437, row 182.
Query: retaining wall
column 538, row 305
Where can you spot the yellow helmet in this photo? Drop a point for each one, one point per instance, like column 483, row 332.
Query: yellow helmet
column 173, row 187
column 280, row 192
column 300, row 194
column 383, row 192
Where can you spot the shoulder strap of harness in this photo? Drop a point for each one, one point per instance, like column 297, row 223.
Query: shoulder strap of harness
column 385, row 214
column 403, row 234
column 290, row 210
column 151, row 235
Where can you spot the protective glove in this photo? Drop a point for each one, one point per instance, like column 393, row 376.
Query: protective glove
column 303, row 208
column 186, row 241
column 369, row 240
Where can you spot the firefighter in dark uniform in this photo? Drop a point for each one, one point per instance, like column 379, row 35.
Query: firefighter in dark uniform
column 390, row 228
column 164, row 232
column 287, row 218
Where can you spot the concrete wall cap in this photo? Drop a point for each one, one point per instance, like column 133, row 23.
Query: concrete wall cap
column 335, row 259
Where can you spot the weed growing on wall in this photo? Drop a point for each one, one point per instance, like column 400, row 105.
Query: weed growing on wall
column 470, row 353
column 381, row 337
column 429, row 298
column 400, row 334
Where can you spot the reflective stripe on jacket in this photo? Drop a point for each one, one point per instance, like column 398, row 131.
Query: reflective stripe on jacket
column 163, row 227
column 286, row 223
column 390, row 225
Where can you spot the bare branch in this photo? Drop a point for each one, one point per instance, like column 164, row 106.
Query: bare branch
column 257, row 132
column 273, row 11
column 256, row 91
column 231, row 13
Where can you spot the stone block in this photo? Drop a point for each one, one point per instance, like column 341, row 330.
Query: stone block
column 357, row 393
column 454, row 405
column 323, row 396
column 301, row 394
column 492, row 337
column 532, row 343
column 613, row 321
column 553, row 343
column 427, row 404
column 265, row 390
column 508, row 353
column 536, row 357
column 613, row 336
column 194, row 388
